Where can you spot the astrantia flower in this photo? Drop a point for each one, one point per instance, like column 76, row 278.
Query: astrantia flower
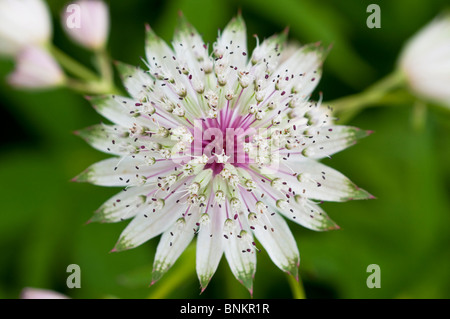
column 425, row 61
column 223, row 146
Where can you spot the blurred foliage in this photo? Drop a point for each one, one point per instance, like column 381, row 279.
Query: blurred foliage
column 405, row 230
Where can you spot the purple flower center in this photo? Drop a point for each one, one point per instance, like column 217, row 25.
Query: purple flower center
column 222, row 140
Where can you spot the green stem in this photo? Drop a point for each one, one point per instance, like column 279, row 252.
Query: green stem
column 347, row 107
column 73, row 66
column 298, row 292
column 103, row 63
column 91, row 83
column 95, row 87
column 419, row 116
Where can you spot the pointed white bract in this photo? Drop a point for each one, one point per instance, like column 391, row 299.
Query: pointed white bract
column 209, row 245
column 23, row 23
column 36, row 69
column 220, row 145
column 425, row 61
column 87, row 23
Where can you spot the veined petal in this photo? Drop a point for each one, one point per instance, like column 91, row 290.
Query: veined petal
column 324, row 183
column 275, row 236
column 190, row 48
column 239, row 252
column 174, row 84
column 304, row 212
column 135, row 80
column 269, row 51
column 314, row 180
column 160, row 216
column 112, row 139
column 125, row 171
column 124, row 205
column 159, row 56
column 231, row 45
column 118, row 140
column 121, row 110
column 299, row 209
column 174, row 241
column 325, row 141
column 302, row 71
column 209, row 245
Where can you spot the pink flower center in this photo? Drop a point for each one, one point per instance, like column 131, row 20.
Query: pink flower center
column 222, row 140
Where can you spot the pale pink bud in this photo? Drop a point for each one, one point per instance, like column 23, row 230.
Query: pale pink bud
column 22, row 23
column 34, row 293
column 87, row 23
column 36, row 69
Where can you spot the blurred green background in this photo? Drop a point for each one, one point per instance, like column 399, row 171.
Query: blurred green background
column 404, row 231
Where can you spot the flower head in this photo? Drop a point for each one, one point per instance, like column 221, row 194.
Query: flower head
column 36, row 69
column 92, row 27
column 23, row 23
column 425, row 61
column 222, row 146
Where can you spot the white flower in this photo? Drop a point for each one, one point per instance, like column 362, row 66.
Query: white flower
column 36, row 69
column 92, row 29
column 232, row 181
column 22, row 23
column 425, row 61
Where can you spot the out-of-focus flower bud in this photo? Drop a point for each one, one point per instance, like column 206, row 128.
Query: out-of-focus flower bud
column 87, row 23
column 425, row 61
column 22, row 23
column 34, row 293
column 36, row 69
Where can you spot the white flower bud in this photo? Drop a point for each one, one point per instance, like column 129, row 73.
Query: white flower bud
column 23, row 23
column 425, row 61
column 87, row 23
column 36, row 69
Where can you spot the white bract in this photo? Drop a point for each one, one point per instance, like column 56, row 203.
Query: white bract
column 36, row 69
column 425, row 61
column 23, row 23
column 221, row 146
column 87, row 23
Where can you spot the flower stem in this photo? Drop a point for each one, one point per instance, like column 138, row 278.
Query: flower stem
column 73, row 66
column 419, row 116
column 88, row 82
column 347, row 107
column 104, row 66
column 95, row 87
column 298, row 292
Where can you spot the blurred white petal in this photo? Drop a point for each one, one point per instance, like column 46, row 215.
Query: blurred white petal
column 36, row 69
column 23, row 23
